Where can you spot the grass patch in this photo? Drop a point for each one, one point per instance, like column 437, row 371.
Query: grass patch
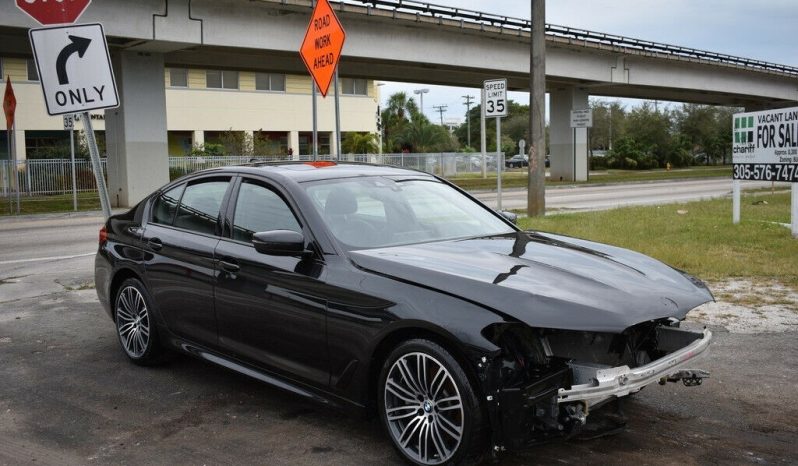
column 49, row 204
column 702, row 241
column 517, row 178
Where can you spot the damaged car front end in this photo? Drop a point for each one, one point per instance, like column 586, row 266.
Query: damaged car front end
column 544, row 383
column 580, row 324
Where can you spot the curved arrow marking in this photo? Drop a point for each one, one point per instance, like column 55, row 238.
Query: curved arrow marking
column 79, row 45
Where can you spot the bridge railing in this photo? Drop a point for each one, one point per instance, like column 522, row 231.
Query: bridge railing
column 582, row 35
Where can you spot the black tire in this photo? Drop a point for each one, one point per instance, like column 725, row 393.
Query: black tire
column 135, row 323
column 431, row 413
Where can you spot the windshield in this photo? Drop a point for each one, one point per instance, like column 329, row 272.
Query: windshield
column 374, row 212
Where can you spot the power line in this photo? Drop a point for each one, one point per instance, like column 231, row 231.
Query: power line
column 468, row 101
column 440, row 109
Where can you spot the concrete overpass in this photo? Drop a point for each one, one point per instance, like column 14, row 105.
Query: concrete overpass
column 393, row 40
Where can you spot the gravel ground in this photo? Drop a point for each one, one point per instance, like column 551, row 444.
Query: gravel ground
column 69, row 396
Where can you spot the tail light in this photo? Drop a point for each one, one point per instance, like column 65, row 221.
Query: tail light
column 103, row 235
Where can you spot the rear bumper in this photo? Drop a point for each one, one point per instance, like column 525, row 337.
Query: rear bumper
column 619, row 381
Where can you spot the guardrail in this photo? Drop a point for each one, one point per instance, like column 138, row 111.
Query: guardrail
column 553, row 30
column 41, row 177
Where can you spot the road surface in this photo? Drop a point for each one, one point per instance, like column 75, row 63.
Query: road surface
column 69, row 396
column 619, row 195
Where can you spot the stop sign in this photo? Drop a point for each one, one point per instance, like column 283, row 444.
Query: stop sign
column 53, row 11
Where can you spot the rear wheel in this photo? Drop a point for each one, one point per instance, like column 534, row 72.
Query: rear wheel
column 135, row 325
column 428, row 406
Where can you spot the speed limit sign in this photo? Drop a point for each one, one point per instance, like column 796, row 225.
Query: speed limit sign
column 69, row 121
column 495, row 91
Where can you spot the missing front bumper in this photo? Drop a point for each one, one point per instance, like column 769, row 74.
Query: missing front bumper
column 600, row 383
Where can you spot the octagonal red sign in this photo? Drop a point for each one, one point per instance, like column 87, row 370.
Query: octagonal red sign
column 53, row 11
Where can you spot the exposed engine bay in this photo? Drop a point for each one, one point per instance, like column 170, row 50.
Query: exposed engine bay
column 546, row 382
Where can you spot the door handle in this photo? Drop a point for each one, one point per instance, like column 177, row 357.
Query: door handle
column 229, row 265
column 155, row 244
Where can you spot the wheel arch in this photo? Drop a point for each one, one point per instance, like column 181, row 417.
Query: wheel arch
column 116, row 282
column 413, row 331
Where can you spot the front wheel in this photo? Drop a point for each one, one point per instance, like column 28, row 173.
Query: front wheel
column 135, row 325
column 428, row 406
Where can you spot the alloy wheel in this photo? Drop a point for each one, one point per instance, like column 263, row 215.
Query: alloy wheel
column 133, row 322
column 423, row 408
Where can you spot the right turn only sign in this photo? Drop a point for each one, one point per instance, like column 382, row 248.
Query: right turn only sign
column 74, row 68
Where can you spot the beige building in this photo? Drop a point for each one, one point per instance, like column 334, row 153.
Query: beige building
column 272, row 112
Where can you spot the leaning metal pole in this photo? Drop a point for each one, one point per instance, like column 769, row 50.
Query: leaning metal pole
column 96, row 166
column 536, row 184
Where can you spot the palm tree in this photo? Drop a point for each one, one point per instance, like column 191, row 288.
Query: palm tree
column 399, row 111
column 359, row 143
column 422, row 136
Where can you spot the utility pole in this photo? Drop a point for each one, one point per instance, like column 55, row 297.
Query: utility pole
column 440, row 109
column 469, row 99
column 536, row 184
column 610, row 138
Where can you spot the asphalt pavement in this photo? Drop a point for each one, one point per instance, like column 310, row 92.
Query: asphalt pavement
column 68, row 395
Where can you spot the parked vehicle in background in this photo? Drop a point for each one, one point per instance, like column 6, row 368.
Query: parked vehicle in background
column 517, row 161
column 392, row 291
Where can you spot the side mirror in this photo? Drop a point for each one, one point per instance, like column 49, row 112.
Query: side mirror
column 279, row 243
column 509, row 216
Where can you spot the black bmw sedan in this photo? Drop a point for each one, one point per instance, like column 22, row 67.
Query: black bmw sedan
column 392, row 291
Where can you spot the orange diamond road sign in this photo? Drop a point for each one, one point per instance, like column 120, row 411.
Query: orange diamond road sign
column 9, row 104
column 322, row 46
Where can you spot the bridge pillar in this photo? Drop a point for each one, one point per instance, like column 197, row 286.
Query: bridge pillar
column 568, row 147
column 136, row 138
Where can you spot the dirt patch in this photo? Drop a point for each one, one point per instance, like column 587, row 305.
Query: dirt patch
column 744, row 306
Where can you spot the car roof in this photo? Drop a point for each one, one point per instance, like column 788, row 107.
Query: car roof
column 322, row 170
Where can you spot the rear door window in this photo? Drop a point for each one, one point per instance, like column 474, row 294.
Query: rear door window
column 200, row 205
column 165, row 206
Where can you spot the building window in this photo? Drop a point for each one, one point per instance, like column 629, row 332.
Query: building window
column 178, row 77
column 218, row 79
column 270, row 82
column 33, row 73
column 353, row 86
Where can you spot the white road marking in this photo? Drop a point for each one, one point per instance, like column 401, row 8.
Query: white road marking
column 41, row 259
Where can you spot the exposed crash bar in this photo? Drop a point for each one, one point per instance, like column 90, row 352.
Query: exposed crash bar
column 621, row 380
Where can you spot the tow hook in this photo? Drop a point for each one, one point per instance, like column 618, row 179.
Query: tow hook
column 576, row 413
column 689, row 377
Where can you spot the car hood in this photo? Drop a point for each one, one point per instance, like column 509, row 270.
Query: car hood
column 545, row 280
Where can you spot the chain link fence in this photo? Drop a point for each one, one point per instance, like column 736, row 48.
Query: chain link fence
column 43, row 177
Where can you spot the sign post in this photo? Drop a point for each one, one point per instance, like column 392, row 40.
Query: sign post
column 495, row 105
column 321, row 52
column 765, row 147
column 69, row 125
column 582, row 118
column 76, row 77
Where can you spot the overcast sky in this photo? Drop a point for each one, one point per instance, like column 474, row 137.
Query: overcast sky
column 760, row 29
